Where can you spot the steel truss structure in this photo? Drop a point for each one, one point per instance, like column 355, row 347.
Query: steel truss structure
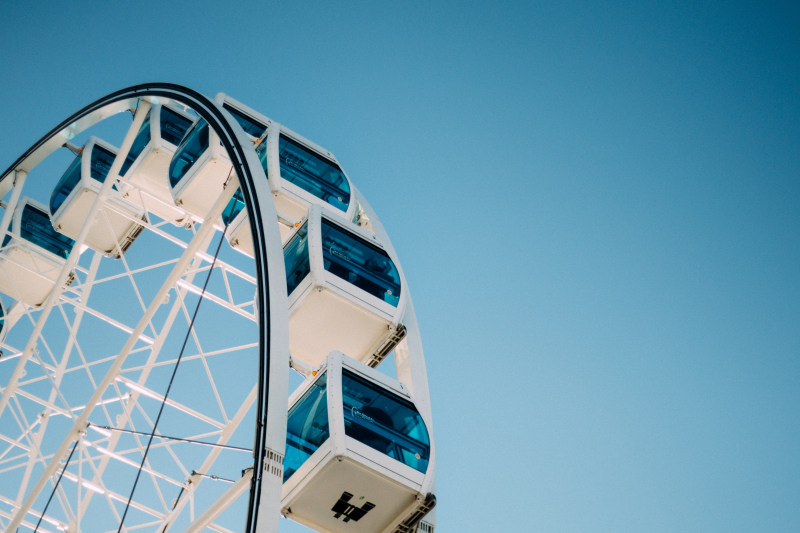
column 148, row 392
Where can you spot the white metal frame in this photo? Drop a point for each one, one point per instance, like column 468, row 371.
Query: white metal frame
column 63, row 379
column 148, row 171
column 380, row 318
column 390, row 312
column 339, row 447
column 25, row 261
column 409, row 359
column 293, row 192
column 118, row 221
column 292, row 202
column 226, row 101
column 204, row 178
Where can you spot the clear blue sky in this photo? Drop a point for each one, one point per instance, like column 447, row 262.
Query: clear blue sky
column 597, row 208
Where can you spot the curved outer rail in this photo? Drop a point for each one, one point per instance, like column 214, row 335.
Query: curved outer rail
column 273, row 326
column 409, row 357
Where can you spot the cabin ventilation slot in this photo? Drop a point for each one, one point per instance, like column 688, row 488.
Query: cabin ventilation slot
column 393, row 340
column 425, row 527
column 127, row 241
column 409, row 524
column 273, row 463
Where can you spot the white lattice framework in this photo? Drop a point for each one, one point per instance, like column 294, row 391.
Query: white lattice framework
column 84, row 375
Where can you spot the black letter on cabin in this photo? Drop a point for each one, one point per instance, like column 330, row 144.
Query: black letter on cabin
column 350, row 512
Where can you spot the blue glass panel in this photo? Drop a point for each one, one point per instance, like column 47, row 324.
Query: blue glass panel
column 69, row 180
column 313, row 173
column 359, row 262
column 173, row 126
column 141, row 140
column 101, row 162
column 233, row 208
column 295, row 259
column 250, row 125
column 194, row 143
column 236, row 204
column 37, row 229
column 384, row 421
column 307, row 427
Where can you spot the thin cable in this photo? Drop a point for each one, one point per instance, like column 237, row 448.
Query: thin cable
column 56, row 485
column 212, row 476
column 175, row 369
column 214, row 114
column 179, row 439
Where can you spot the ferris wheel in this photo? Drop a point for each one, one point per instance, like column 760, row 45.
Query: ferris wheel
column 204, row 327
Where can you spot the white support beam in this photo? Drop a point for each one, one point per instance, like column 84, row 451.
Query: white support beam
column 209, row 461
column 202, row 236
column 72, row 258
column 213, row 511
column 18, row 183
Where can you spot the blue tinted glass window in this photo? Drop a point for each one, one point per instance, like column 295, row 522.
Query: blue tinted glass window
column 236, row 204
column 141, row 140
column 36, row 228
column 313, row 173
column 250, row 125
column 359, row 262
column 101, row 162
column 173, row 126
column 384, row 421
column 307, row 427
column 69, row 180
column 189, row 151
column 233, row 208
column 295, row 258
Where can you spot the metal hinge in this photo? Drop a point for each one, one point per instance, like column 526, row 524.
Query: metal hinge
column 392, row 340
column 409, row 524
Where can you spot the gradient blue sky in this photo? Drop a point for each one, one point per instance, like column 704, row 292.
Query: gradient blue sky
column 597, row 206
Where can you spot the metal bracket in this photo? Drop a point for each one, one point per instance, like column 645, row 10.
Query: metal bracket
column 391, row 340
column 409, row 524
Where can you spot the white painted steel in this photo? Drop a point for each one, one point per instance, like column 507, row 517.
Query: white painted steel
column 71, row 261
column 342, row 316
column 227, row 297
column 94, row 390
column 344, row 464
column 201, row 238
column 28, row 272
column 203, row 181
column 147, row 173
column 118, row 221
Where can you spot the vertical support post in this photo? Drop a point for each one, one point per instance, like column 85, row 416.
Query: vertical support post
column 227, row 497
column 410, row 359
